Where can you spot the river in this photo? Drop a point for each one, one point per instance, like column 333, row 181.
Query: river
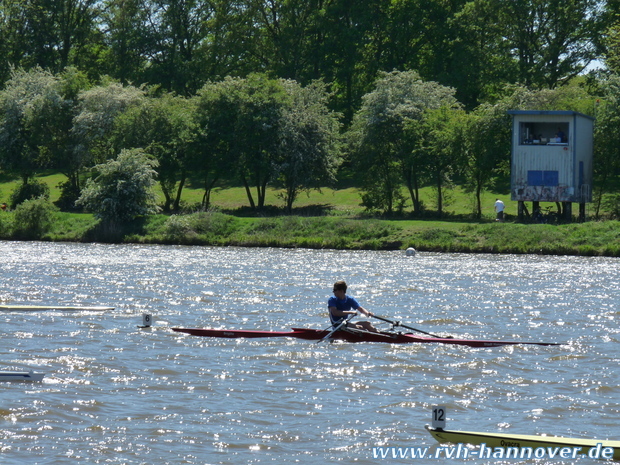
column 118, row 394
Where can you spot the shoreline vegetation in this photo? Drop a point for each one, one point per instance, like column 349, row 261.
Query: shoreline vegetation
column 329, row 220
column 219, row 229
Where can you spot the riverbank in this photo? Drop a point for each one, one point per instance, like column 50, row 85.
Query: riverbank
column 219, row 229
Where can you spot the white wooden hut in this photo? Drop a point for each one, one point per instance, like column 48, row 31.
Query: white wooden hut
column 552, row 159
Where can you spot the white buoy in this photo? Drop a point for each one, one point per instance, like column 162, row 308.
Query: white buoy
column 410, row 252
column 147, row 320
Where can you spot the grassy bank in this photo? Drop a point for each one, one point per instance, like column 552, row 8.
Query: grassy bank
column 329, row 219
column 215, row 228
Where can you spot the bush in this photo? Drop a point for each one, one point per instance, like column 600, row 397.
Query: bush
column 178, row 227
column 68, row 196
column 611, row 203
column 33, row 218
column 215, row 223
column 122, row 189
column 5, row 224
column 33, row 190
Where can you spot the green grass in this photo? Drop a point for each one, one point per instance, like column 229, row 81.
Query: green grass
column 333, row 202
column 334, row 219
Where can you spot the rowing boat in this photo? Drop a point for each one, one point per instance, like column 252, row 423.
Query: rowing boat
column 38, row 308
column 21, row 376
column 350, row 335
column 593, row 448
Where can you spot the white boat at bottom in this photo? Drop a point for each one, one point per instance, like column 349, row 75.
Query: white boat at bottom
column 594, row 448
column 509, row 445
column 21, row 376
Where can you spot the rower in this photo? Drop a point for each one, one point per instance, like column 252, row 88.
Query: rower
column 341, row 306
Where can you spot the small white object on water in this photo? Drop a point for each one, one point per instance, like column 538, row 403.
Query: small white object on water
column 410, row 252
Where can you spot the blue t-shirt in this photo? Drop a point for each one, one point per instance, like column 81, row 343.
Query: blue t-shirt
column 347, row 304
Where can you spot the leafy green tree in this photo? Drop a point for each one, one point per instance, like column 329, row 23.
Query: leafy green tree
column 60, row 148
column 486, row 149
column 239, row 120
column 290, row 37
column 127, row 41
column 607, row 139
column 611, row 42
column 32, row 117
column 177, row 30
column 438, row 145
column 257, row 130
column 382, row 149
column 308, row 141
column 551, row 41
column 480, row 62
column 424, row 36
column 122, row 189
column 12, row 36
column 36, row 128
column 164, row 127
column 47, row 33
column 218, row 146
column 94, row 121
column 352, row 41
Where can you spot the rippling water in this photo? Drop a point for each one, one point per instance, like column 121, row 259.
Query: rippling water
column 117, row 394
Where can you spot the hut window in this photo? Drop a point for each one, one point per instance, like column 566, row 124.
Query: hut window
column 542, row 178
column 535, row 133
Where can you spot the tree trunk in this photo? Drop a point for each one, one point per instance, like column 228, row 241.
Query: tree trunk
column 439, row 194
column 412, row 186
column 177, row 200
column 206, row 199
column 248, row 192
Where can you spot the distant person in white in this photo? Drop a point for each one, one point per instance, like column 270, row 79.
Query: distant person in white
column 499, row 209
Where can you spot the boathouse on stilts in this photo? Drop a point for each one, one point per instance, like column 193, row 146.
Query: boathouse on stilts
column 551, row 161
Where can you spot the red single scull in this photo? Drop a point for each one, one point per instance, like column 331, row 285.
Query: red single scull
column 350, row 335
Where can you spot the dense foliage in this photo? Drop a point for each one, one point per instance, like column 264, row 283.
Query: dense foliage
column 474, row 46
column 121, row 189
column 399, row 94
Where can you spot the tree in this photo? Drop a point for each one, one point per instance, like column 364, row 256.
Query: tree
column 383, row 151
column 164, row 127
column 36, row 129
column 607, row 138
column 352, row 42
column 239, row 119
column 121, row 189
column 47, row 33
column 33, row 218
column 438, row 143
column 611, row 43
column 33, row 114
column 177, row 30
column 127, row 40
column 217, row 144
column 551, row 41
column 308, row 141
column 12, row 36
column 486, row 148
column 94, row 122
column 61, row 146
column 480, row 60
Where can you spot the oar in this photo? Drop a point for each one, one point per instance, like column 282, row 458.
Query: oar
column 340, row 325
column 398, row 323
